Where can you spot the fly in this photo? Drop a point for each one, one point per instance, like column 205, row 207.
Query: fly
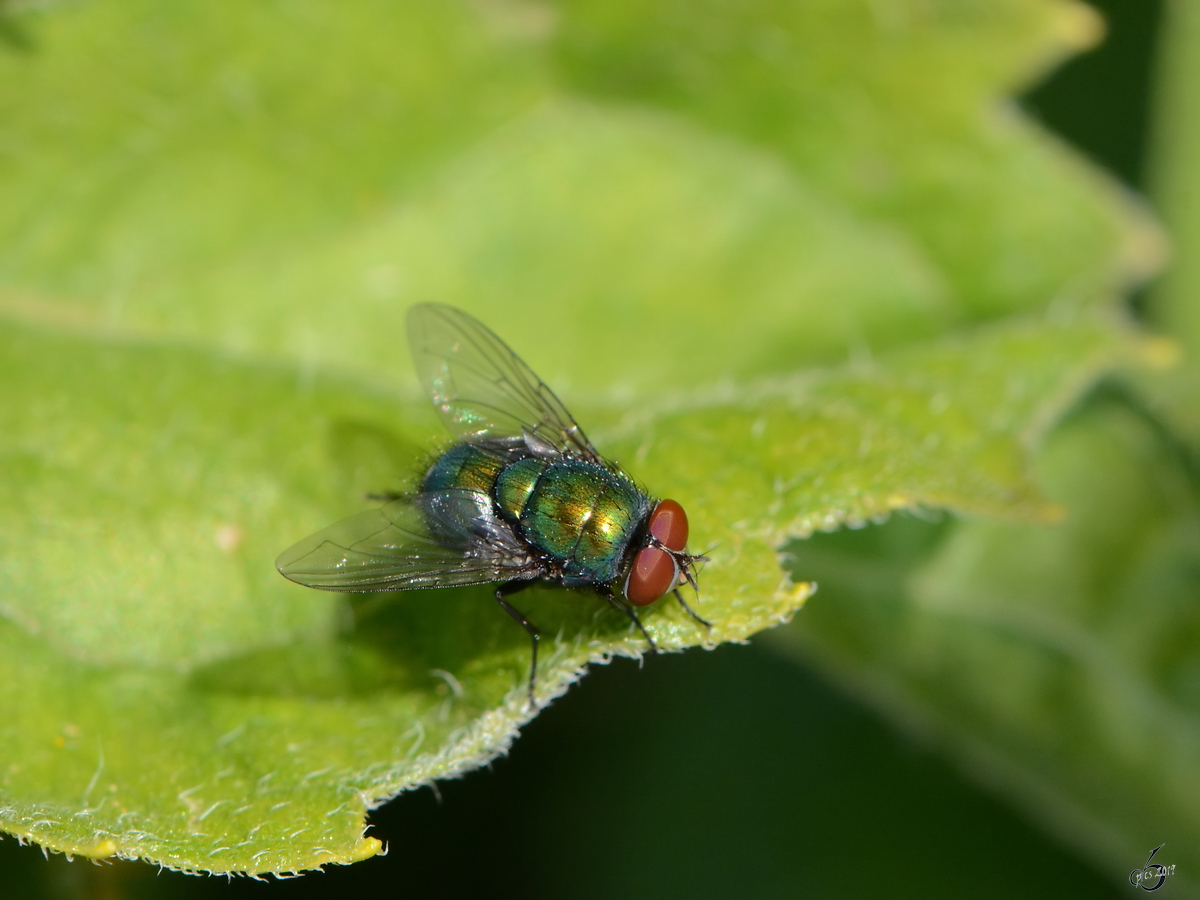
column 521, row 497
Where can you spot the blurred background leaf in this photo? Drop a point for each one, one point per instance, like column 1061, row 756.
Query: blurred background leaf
column 295, row 200
column 711, row 198
column 1173, row 306
column 1058, row 663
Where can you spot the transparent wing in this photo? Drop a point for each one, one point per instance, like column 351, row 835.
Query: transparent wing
column 482, row 389
column 431, row 539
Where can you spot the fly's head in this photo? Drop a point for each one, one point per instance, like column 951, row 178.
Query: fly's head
column 662, row 563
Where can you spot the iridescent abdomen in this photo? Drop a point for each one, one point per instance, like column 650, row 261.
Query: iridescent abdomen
column 465, row 466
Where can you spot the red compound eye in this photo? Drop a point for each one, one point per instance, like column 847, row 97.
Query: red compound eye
column 669, row 524
column 653, row 574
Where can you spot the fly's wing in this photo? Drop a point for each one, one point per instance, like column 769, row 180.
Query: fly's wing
column 430, row 539
column 482, row 389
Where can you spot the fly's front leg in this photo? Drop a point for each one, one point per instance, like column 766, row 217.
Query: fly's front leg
column 624, row 607
column 512, row 587
column 687, row 609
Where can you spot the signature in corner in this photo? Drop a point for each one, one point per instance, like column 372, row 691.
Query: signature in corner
column 1151, row 876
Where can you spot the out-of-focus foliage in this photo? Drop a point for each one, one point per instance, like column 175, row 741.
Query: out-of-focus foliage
column 796, row 266
column 1174, row 305
column 1059, row 659
column 1062, row 663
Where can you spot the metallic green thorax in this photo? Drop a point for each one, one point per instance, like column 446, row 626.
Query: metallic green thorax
column 578, row 515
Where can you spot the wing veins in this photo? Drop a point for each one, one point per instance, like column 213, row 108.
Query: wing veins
column 392, row 548
column 466, row 357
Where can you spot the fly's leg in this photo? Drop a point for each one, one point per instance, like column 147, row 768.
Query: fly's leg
column 511, row 588
column 687, row 609
column 633, row 616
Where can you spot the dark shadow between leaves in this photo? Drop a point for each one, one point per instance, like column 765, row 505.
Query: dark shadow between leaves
column 868, row 567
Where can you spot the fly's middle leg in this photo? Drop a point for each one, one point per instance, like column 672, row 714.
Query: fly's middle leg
column 512, row 587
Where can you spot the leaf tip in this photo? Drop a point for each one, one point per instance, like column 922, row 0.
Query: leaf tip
column 365, row 849
column 793, row 595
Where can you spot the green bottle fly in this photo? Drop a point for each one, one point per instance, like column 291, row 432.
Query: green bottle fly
column 522, row 497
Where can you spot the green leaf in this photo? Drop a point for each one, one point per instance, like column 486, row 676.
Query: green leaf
column 143, row 139
column 184, row 704
column 181, row 701
column 901, row 111
column 192, row 196
column 215, row 222
column 665, row 217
